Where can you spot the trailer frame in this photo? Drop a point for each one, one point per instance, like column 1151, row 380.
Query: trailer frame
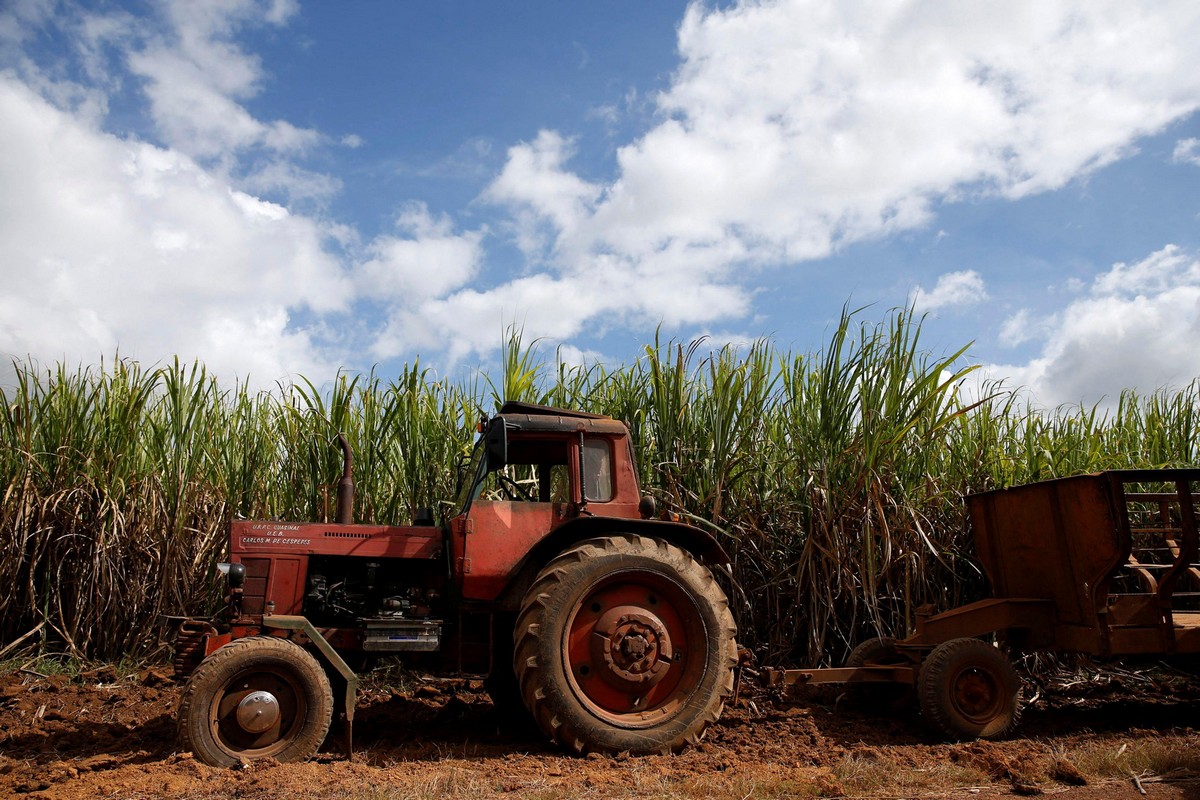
column 1106, row 564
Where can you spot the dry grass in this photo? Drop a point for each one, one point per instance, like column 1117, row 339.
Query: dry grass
column 866, row 775
column 1143, row 757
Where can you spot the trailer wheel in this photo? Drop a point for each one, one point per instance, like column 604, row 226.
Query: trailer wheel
column 625, row 644
column 969, row 690
column 258, row 697
column 872, row 695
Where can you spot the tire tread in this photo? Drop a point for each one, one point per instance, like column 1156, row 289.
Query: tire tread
column 557, row 575
column 220, row 667
column 933, row 694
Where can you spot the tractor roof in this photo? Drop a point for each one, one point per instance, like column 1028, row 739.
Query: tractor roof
column 517, row 407
column 532, row 417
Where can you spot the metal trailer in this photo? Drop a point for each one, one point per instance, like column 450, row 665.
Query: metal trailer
column 1103, row 564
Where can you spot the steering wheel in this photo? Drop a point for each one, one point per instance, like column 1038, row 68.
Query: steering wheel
column 512, row 489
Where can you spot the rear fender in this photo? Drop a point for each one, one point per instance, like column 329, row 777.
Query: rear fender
column 701, row 544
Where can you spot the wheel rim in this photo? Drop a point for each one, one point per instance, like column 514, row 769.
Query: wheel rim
column 634, row 648
column 976, row 694
column 257, row 713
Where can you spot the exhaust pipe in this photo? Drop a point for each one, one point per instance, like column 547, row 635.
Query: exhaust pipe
column 345, row 487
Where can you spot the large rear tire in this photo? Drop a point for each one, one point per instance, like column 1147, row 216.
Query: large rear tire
column 625, row 644
column 969, row 690
column 258, row 697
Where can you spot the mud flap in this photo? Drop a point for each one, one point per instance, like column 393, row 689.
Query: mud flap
column 339, row 671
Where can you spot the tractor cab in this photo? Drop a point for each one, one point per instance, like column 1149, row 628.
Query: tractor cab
column 534, row 473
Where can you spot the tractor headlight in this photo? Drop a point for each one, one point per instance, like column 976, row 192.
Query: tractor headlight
column 235, row 574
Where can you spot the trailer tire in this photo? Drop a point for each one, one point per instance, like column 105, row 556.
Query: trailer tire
column 969, row 690
column 871, row 695
column 257, row 697
column 625, row 644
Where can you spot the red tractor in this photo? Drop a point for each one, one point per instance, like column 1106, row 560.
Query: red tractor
column 551, row 575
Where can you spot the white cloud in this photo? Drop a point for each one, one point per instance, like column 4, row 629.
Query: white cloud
column 197, row 77
column 292, row 182
column 430, row 261
column 535, row 182
column 571, row 357
column 1137, row 326
column 555, row 308
column 796, row 126
column 1024, row 327
column 964, row 288
column 793, row 128
column 108, row 243
column 1187, row 151
column 21, row 19
column 717, row 341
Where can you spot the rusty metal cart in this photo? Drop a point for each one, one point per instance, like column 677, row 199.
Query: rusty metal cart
column 1103, row 564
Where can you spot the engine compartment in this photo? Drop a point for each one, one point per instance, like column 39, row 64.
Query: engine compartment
column 388, row 599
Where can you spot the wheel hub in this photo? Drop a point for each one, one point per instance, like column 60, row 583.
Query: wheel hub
column 258, row 712
column 976, row 694
column 634, row 646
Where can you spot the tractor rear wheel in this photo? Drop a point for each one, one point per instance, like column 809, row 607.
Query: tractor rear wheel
column 874, row 695
column 258, row 697
column 625, row 644
column 969, row 690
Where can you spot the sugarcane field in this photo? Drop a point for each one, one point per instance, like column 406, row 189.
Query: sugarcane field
column 713, row 572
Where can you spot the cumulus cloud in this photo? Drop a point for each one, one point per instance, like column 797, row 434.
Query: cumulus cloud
column 1024, row 326
column 793, row 128
column 407, row 274
column 796, row 126
column 293, row 182
column 197, row 78
column 571, row 356
column 964, row 288
column 473, row 320
column 111, row 243
column 536, row 183
column 430, row 261
column 1135, row 326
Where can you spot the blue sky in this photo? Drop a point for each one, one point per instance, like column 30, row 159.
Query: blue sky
column 287, row 188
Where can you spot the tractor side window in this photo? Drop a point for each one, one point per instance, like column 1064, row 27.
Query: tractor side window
column 597, row 470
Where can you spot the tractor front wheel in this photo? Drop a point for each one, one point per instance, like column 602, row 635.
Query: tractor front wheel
column 258, row 697
column 969, row 690
column 625, row 644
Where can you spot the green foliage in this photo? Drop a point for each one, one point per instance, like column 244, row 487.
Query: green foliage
column 833, row 479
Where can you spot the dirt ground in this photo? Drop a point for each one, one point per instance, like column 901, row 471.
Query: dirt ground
column 1129, row 733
